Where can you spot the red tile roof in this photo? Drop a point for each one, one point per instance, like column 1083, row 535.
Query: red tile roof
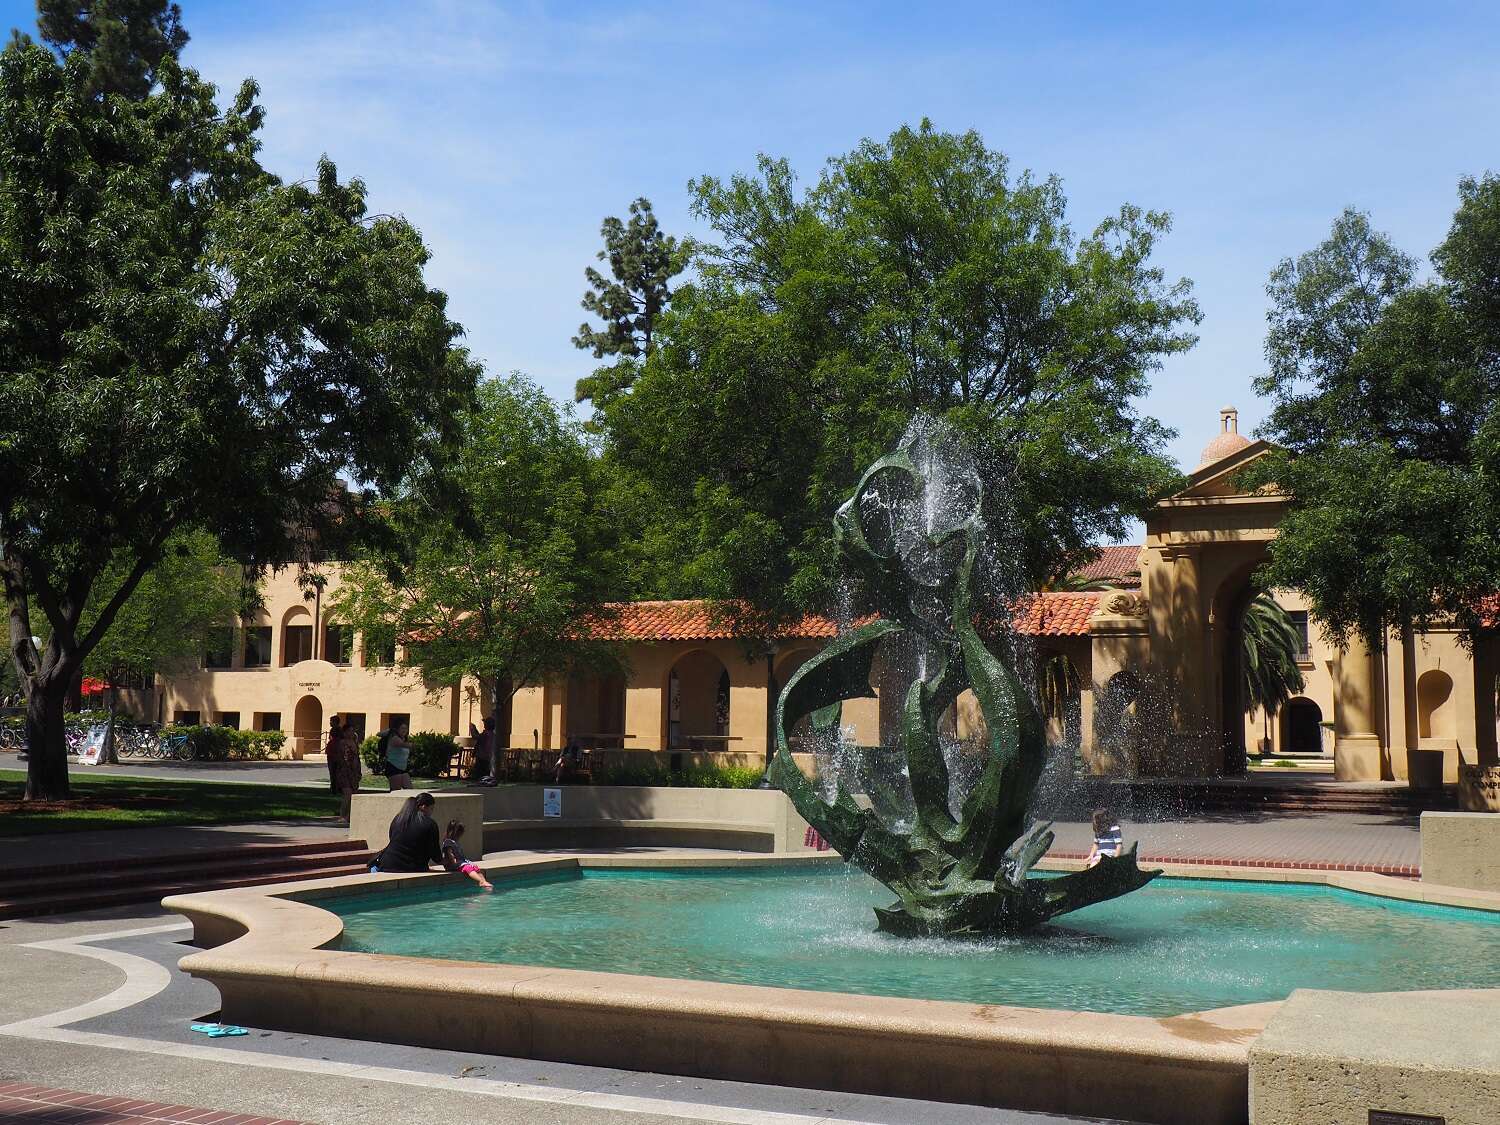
column 1114, row 564
column 1057, row 613
column 688, row 620
column 1053, row 614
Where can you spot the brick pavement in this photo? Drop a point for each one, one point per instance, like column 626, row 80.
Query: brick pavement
column 20, row 1101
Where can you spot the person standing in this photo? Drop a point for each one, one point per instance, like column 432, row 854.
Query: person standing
column 345, row 769
column 330, row 749
column 397, row 757
column 487, row 753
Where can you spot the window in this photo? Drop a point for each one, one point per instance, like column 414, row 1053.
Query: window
column 379, row 651
column 268, row 720
column 220, row 651
column 185, row 718
column 296, row 644
column 390, row 719
column 338, row 643
column 258, row 646
column 1299, row 623
column 227, row 719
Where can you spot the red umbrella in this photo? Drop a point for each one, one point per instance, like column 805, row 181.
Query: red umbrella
column 91, row 686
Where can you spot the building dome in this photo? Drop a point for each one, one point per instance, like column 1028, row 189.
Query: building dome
column 1228, row 440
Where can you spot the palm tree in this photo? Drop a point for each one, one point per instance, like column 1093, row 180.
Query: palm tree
column 1057, row 686
column 1270, row 646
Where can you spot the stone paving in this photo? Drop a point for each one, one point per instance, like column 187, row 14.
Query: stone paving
column 1323, row 841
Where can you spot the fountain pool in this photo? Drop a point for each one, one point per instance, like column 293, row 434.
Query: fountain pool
column 1178, row 945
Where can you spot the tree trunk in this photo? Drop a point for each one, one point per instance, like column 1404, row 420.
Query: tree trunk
column 107, row 755
column 773, row 691
column 500, row 711
column 47, row 745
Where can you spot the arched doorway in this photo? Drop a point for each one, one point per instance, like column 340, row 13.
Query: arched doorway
column 307, row 724
column 596, row 711
column 785, row 668
column 697, row 711
column 1117, row 725
column 1301, row 727
column 1059, row 694
column 1231, row 600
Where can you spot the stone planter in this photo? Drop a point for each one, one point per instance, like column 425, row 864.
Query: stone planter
column 1424, row 769
column 1479, row 788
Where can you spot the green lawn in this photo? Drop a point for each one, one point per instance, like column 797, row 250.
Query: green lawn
column 139, row 802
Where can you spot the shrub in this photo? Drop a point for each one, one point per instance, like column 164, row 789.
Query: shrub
column 91, row 718
column 220, row 744
column 430, row 753
column 694, row 777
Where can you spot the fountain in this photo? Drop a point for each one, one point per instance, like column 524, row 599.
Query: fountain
column 957, row 857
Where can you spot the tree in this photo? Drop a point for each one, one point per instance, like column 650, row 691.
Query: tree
column 917, row 276
column 176, row 613
column 1386, row 391
column 185, row 342
column 1270, row 644
column 503, row 559
column 642, row 261
column 123, row 41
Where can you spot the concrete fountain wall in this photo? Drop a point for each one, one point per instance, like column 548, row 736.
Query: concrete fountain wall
column 273, row 955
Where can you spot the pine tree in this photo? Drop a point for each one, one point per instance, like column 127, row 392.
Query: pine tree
column 123, row 40
column 642, row 260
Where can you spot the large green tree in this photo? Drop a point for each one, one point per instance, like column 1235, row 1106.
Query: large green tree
column 185, row 342
column 917, row 275
column 1387, row 414
column 503, row 555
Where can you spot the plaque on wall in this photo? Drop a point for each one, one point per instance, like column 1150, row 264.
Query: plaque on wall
column 1395, row 1117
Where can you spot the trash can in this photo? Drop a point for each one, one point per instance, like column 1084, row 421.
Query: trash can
column 1424, row 769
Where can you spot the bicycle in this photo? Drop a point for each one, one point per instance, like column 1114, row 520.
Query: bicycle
column 178, row 746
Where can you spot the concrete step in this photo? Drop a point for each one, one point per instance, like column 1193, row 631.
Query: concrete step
column 203, row 856
column 16, row 886
column 151, row 891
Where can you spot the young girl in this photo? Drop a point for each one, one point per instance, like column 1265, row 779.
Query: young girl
column 454, row 859
column 1107, row 838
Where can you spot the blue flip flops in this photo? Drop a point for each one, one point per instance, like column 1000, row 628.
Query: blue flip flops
column 218, row 1030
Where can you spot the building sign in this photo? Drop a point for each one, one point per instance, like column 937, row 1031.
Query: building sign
column 93, row 745
column 552, row 802
column 1393, row 1117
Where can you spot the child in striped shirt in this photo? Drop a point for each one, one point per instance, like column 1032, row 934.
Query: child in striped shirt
column 1107, row 837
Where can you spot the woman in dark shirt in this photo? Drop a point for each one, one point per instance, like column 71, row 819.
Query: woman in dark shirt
column 415, row 841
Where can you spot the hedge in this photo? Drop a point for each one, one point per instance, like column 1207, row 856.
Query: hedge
column 219, row 744
column 430, row 753
column 693, row 777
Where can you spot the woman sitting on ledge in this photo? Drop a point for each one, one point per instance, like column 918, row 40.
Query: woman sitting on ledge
column 414, row 841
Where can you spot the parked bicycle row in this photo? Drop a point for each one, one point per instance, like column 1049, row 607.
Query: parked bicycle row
column 132, row 740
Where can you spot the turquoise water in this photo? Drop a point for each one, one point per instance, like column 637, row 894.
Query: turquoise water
column 1179, row 945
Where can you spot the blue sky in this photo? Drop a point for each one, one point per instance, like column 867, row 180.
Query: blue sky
column 505, row 132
